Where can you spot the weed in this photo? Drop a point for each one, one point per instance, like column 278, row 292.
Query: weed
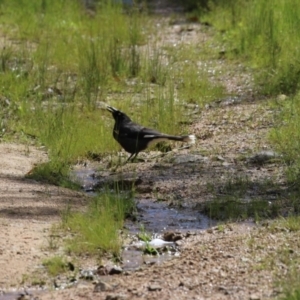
column 55, row 76
column 143, row 235
column 291, row 223
column 55, row 265
column 52, row 242
column 292, row 295
column 96, row 231
column 240, row 198
column 150, row 250
column 262, row 34
column 221, row 227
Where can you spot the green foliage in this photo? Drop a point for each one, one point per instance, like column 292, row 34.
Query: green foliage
column 239, row 199
column 266, row 35
column 231, row 208
column 96, row 231
column 143, row 235
column 270, row 36
column 65, row 62
column 55, row 265
column 292, row 295
column 286, row 136
column 291, row 223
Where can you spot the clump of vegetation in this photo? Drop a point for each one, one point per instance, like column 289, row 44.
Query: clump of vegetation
column 61, row 65
column 265, row 38
column 240, row 199
column 264, row 35
column 56, row 265
column 97, row 230
column 286, row 137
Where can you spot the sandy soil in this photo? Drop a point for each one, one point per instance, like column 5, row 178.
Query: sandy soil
column 27, row 211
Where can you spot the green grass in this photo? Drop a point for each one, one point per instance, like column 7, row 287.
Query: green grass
column 55, row 265
column 59, row 63
column 291, row 295
column 97, row 230
column 240, row 198
column 286, row 137
column 265, row 36
column 289, row 257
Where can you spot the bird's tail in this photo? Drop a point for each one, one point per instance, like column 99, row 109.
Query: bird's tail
column 191, row 139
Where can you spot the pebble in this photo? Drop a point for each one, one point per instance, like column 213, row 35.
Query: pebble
column 102, row 286
column 154, row 287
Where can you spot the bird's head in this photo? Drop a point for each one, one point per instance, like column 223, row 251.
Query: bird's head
column 117, row 114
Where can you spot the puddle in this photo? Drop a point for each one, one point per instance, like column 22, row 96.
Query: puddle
column 155, row 218
column 158, row 217
column 86, row 177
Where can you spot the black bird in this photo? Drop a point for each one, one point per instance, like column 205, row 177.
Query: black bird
column 135, row 138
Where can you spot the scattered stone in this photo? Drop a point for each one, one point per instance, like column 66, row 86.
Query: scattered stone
column 254, row 297
column 102, row 270
column 119, row 181
column 182, row 159
column 87, row 274
column 262, row 157
column 115, row 270
column 103, row 286
column 230, row 101
column 172, row 236
column 223, row 289
column 154, row 287
column 116, row 297
column 281, row 97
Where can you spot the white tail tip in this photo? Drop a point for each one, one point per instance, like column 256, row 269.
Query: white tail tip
column 191, row 139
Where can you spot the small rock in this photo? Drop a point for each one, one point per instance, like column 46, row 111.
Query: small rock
column 115, row 270
column 182, row 159
column 281, row 97
column 102, row 286
column 87, row 274
column 226, row 164
column 262, row 157
column 172, row 236
column 102, row 270
column 223, row 289
column 154, row 287
column 116, row 297
column 254, row 297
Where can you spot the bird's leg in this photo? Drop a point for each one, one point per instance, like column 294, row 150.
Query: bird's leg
column 132, row 157
column 129, row 158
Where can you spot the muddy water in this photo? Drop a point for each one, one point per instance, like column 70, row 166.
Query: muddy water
column 155, row 217
column 158, row 217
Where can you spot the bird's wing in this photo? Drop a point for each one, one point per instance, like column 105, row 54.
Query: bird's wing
column 134, row 131
column 150, row 133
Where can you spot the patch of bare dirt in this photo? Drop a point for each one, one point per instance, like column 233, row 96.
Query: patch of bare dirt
column 27, row 211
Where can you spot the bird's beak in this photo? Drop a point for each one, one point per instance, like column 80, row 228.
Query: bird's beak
column 111, row 109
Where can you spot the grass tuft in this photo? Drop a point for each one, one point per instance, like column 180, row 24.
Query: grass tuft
column 55, row 265
column 97, row 230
